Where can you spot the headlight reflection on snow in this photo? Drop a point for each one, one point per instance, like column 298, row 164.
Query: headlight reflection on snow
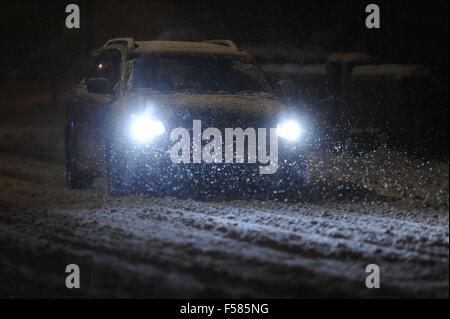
column 144, row 127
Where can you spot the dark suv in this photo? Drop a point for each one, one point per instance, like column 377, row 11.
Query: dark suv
column 168, row 115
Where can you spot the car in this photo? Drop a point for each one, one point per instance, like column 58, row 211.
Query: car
column 139, row 104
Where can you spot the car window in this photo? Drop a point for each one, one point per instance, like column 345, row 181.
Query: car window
column 169, row 72
column 105, row 65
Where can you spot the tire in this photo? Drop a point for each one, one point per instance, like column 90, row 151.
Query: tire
column 125, row 178
column 296, row 190
column 295, row 179
column 119, row 179
column 286, row 189
column 286, row 185
column 75, row 177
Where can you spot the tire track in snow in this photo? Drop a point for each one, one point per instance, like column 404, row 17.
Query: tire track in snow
column 237, row 248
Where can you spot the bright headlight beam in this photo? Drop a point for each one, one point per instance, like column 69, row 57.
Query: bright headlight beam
column 144, row 128
column 289, row 130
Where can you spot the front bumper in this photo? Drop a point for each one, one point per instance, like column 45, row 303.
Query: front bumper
column 152, row 162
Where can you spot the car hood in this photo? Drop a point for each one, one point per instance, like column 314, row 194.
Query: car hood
column 193, row 106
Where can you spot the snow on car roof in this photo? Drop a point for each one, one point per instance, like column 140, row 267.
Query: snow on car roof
column 184, row 46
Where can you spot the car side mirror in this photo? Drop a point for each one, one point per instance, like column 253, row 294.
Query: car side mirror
column 287, row 88
column 99, row 85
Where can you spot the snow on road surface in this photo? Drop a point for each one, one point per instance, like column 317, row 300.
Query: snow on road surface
column 145, row 246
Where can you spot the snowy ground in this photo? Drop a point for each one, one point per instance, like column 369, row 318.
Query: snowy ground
column 381, row 208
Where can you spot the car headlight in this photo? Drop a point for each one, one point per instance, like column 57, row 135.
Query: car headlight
column 144, row 127
column 290, row 130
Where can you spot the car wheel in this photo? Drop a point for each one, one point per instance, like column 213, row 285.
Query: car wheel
column 75, row 177
column 119, row 179
column 286, row 185
column 295, row 189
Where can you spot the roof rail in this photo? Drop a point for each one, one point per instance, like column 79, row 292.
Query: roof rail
column 227, row 43
column 129, row 42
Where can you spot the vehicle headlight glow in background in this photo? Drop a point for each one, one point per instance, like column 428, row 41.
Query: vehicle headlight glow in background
column 144, row 127
column 289, row 130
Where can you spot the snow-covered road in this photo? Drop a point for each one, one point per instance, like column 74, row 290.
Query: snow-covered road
column 171, row 247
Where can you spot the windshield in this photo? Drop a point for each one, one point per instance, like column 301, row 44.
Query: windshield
column 202, row 73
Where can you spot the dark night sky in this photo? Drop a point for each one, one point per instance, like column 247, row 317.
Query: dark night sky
column 35, row 42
